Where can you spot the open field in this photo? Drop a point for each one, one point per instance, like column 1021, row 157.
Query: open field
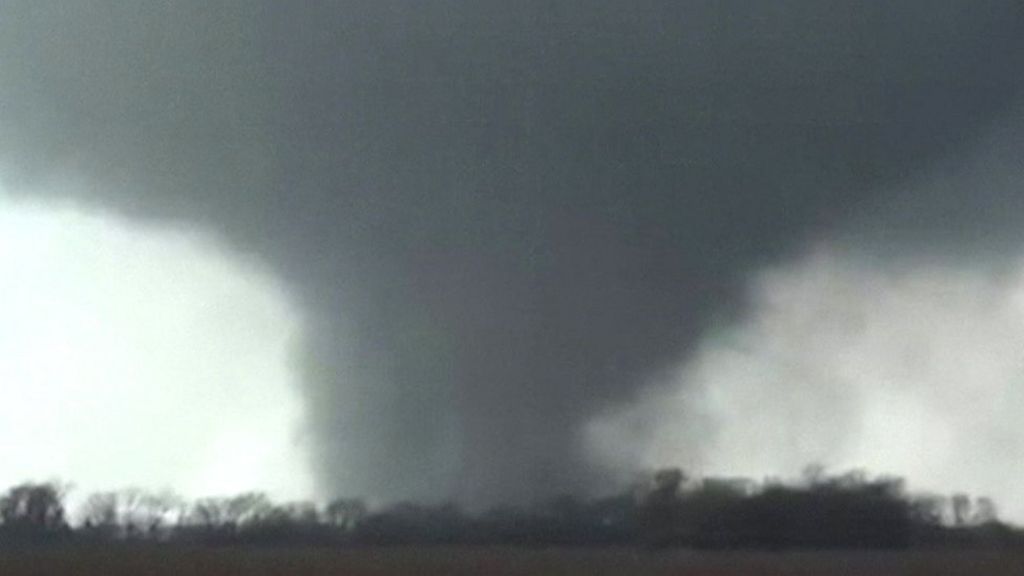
column 485, row 562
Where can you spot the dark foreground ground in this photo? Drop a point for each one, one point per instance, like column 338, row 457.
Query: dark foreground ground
column 483, row 562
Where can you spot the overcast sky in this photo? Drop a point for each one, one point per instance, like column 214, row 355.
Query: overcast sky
column 504, row 232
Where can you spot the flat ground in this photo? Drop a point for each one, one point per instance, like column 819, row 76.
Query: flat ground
column 485, row 562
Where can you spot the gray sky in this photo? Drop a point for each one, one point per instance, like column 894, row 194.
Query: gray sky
column 502, row 224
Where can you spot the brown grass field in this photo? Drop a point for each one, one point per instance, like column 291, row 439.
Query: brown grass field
column 486, row 562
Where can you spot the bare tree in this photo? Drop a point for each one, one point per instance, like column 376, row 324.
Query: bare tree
column 668, row 483
column 153, row 510
column 247, row 508
column 210, row 513
column 345, row 513
column 985, row 512
column 101, row 514
column 131, row 512
column 961, row 509
column 34, row 510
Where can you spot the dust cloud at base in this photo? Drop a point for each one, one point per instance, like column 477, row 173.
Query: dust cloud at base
column 910, row 371
column 135, row 356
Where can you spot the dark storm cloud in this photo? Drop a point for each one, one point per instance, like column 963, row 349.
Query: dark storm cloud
column 501, row 220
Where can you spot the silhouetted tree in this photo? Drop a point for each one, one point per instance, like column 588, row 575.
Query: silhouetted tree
column 662, row 510
column 101, row 515
column 985, row 512
column 961, row 509
column 667, row 509
column 345, row 513
column 33, row 512
column 130, row 513
column 246, row 509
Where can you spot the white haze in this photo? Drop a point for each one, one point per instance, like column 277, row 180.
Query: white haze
column 916, row 372
column 138, row 356
column 897, row 347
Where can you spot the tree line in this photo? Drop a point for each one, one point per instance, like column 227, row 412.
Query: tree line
column 665, row 509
